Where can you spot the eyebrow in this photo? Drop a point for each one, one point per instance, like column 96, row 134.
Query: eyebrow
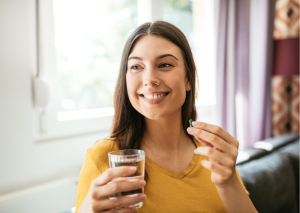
column 158, row 57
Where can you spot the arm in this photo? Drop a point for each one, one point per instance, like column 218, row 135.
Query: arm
column 222, row 150
column 235, row 199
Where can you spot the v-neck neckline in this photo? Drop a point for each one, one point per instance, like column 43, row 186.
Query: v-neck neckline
column 175, row 174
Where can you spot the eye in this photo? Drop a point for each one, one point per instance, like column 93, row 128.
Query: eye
column 135, row 67
column 165, row 65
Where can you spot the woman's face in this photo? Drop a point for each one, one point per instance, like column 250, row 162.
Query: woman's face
column 156, row 77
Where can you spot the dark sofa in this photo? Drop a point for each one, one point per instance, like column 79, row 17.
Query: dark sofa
column 271, row 174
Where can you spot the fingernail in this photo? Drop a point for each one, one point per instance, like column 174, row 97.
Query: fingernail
column 142, row 183
column 132, row 169
column 198, row 150
column 143, row 197
column 196, row 123
column 190, row 130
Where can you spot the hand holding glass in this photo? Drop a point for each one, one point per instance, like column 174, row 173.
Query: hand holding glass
column 99, row 197
column 129, row 157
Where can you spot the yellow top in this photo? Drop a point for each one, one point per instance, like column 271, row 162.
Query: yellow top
column 189, row 191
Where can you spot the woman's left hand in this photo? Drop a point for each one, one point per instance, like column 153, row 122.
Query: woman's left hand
column 222, row 150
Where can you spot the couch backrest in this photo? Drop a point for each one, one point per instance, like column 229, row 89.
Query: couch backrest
column 272, row 180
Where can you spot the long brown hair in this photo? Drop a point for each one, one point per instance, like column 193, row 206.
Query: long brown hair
column 128, row 124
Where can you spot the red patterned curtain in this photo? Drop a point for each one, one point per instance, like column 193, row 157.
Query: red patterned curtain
column 285, row 80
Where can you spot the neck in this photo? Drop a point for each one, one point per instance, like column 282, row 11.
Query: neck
column 165, row 135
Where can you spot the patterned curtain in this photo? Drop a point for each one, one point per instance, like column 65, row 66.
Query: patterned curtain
column 285, row 80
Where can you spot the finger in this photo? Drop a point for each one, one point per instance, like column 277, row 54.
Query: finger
column 204, row 143
column 217, row 131
column 216, row 168
column 215, row 161
column 212, row 160
column 210, row 138
column 118, row 202
column 112, row 173
column 125, row 210
column 223, row 158
column 141, row 177
column 118, row 186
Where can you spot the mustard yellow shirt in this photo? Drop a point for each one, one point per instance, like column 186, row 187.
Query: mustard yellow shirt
column 189, row 191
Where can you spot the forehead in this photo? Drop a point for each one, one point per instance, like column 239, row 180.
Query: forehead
column 152, row 45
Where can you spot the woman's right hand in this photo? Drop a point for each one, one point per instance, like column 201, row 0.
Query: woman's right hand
column 98, row 197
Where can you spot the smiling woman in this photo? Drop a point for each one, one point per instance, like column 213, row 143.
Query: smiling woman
column 154, row 100
column 146, row 73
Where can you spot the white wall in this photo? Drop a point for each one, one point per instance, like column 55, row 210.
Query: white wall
column 24, row 163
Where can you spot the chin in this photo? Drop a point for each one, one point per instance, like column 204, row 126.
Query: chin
column 159, row 114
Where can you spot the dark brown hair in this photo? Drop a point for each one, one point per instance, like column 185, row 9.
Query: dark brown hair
column 128, row 124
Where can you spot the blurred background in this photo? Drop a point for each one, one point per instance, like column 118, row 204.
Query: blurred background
column 59, row 62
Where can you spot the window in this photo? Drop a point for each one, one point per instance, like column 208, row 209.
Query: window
column 81, row 47
column 88, row 44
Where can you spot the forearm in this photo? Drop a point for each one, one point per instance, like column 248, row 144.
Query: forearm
column 235, row 199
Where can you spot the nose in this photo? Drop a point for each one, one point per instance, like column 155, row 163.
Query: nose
column 150, row 78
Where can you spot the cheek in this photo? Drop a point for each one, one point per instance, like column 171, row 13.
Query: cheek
column 178, row 86
column 132, row 87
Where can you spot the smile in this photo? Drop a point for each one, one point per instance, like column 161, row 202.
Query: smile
column 154, row 98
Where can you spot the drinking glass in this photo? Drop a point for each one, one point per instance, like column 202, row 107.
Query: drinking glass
column 129, row 157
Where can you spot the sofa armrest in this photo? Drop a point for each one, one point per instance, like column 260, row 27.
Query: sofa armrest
column 271, row 144
column 250, row 154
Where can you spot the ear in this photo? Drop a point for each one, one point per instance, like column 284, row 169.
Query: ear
column 187, row 86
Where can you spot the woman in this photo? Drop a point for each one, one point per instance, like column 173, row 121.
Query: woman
column 188, row 169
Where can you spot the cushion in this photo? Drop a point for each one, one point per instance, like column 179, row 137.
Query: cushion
column 271, row 183
column 292, row 152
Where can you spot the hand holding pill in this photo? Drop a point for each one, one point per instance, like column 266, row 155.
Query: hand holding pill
column 220, row 147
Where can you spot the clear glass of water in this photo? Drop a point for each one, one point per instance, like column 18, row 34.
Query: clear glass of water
column 129, row 157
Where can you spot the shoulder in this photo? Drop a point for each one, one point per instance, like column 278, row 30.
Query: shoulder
column 95, row 163
column 98, row 153
column 102, row 146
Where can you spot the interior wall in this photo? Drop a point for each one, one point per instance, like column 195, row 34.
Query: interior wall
column 24, row 163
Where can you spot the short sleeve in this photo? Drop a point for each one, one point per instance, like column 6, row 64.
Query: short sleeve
column 88, row 173
column 241, row 181
column 95, row 163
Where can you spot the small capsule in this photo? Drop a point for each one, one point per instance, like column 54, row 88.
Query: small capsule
column 191, row 121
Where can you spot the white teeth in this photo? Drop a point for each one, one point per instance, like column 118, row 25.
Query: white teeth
column 149, row 96
column 154, row 96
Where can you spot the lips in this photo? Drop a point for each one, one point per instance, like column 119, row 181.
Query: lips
column 154, row 97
